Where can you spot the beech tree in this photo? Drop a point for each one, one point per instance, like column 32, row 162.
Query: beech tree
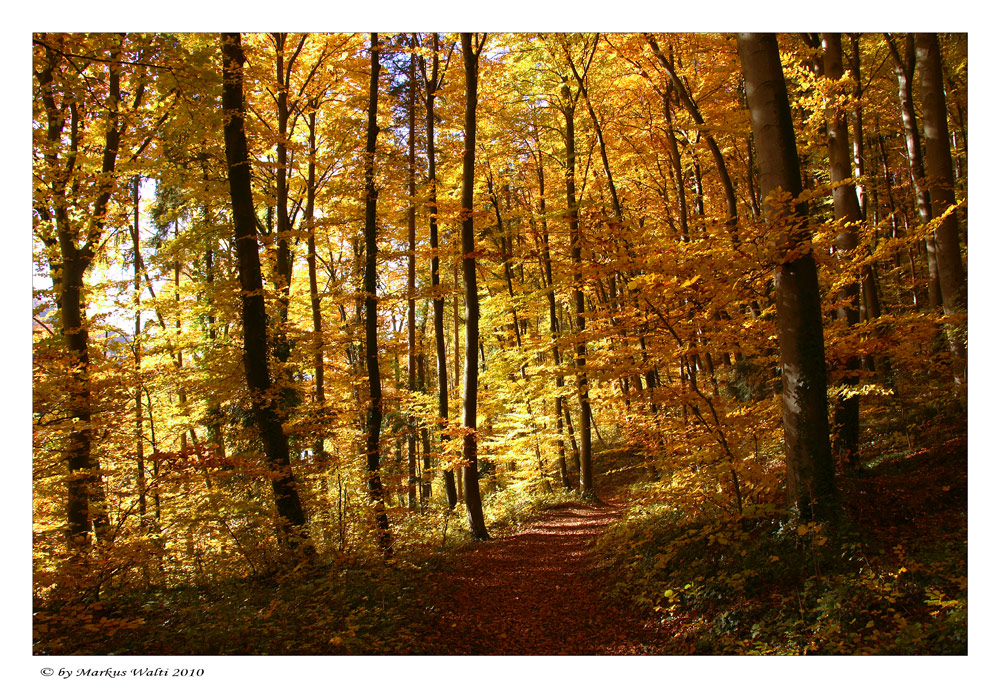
column 470, row 459
column 847, row 211
column 905, row 66
column 239, row 325
column 374, row 424
column 809, row 461
column 567, row 107
column 432, row 84
column 71, row 250
column 940, row 182
column 255, row 358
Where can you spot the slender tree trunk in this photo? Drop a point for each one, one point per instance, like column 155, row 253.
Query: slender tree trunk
column 292, row 519
column 155, row 468
column 85, row 496
column 905, row 65
column 374, row 423
column 283, row 258
column 425, row 440
column 847, row 210
column 432, row 86
column 728, row 190
column 470, row 469
column 810, row 476
column 857, row 124
column 576, row 256
column 675, row 161
column 216, row 433
column 550, row 295
column 308, row 219
column 870, row 306
column 581, row 83
column 140, row 466
column 411, row 279
column 460, row 483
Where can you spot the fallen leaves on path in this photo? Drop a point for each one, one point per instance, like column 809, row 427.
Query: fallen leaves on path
column 536, row 592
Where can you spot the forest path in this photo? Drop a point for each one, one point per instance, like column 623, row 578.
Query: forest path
column 538, row 592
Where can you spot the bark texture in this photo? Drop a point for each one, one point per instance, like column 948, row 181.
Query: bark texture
column 941, row 187
column 810, row 470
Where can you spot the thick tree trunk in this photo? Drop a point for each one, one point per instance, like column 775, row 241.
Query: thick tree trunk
column 810, row 468
column 470, row 469
column 83, row 505
column 374, row 422
column 941, row 187
column 290, row 513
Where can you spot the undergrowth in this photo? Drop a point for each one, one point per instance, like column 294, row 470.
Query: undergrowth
column 890, row 578
column 509, row 510
column 346, row 602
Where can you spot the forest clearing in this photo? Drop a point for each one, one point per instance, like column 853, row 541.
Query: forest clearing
column 500, row 344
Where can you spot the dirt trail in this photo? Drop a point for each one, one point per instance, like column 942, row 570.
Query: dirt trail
column 537, row 592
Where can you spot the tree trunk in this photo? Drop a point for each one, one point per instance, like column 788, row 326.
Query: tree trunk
column 470, row 469
column 85, row 496
column 857, row 126
column 870, row 306
column 550, row 295
column 432, row 86
column 810, row 468
column 576, row 256
column 292, row 519
column 720, row 162
column 374, row 423
column 314, row 297
column 847, row 211
column 941, row 186
column 216, row 433
column 411, row 279
column 905, row 65
column 140, row 467
column 283, row 259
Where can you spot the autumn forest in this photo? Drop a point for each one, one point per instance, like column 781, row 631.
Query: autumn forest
column 499, row 343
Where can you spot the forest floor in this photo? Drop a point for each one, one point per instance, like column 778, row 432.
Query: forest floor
column 538, row 592
column 543, row 585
